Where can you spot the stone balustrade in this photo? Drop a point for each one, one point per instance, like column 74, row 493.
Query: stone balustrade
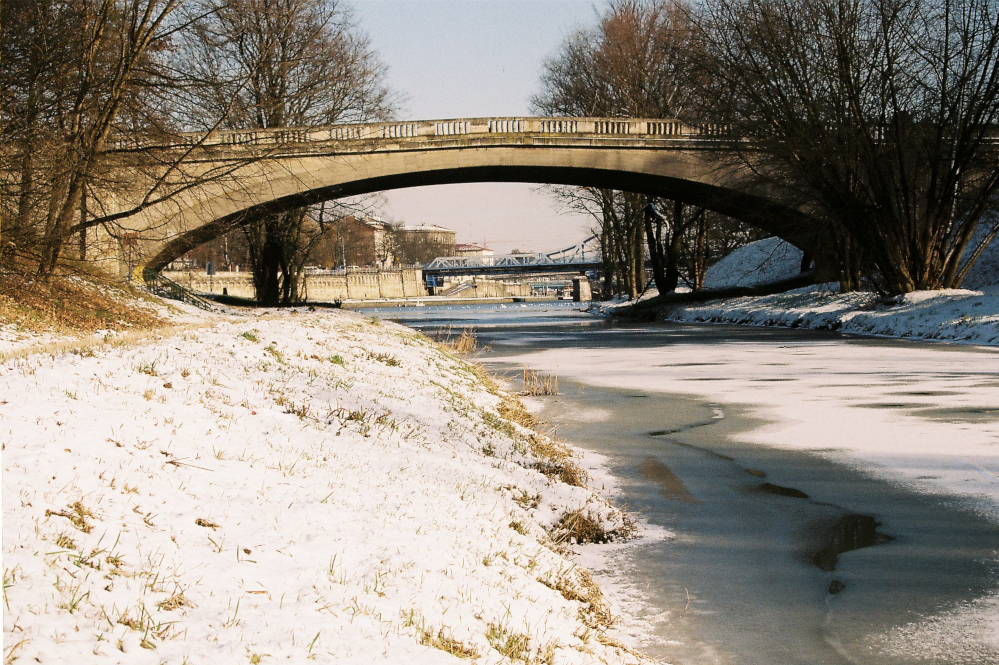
column 637, row 128
column 429, row 129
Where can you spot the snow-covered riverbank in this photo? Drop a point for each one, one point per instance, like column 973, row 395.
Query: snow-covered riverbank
column 955, row 315
column 315, row 485
column 958, row 315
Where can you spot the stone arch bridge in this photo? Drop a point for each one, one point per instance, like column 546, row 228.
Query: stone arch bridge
column 254, row 171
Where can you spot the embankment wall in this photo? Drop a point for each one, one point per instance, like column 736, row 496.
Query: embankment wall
column 406, row 283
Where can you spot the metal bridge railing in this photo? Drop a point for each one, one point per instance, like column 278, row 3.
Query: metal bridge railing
column 541, row 261
column 167, row 288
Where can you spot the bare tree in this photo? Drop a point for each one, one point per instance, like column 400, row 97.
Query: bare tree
column 420, row 244
column 72, row 74
column 622, row 246
column 88, row 103
column 306, row 64
column 883, row 113
column 228, row 252
column 640, row 61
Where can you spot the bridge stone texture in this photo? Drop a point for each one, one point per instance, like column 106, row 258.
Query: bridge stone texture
column 248, row 172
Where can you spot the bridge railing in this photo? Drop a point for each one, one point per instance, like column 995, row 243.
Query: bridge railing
column 633, row 128
column 655, row 128
column 501, row 261
column 167, row 288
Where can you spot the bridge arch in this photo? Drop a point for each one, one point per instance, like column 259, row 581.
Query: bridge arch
column 697, row 169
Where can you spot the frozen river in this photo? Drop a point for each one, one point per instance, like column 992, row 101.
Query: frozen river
column 831, row 499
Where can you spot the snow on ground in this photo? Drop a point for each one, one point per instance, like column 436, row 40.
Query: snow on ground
column 310, row 486
column 773, row 260
column 984, row 273
column 955, row 315
column 968, row 315
column 14, row 337
column 761, row 262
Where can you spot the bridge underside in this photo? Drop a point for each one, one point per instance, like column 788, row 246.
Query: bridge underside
column 786, row 222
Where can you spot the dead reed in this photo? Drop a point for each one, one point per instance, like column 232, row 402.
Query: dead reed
column 463, row 344
column 536, row 385
column 584, row 527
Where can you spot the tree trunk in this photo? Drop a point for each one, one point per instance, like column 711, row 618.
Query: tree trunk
column 606, row 257
column 61, row 216
column 267, row 275
column 265, row 260
column 637, row 250
column 700, row 259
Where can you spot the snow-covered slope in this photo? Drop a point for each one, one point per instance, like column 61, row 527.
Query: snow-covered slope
column 956, row 315
column 984, row 274
column 311, row 487
column 773, row 260
column 760, row 262
column 963, row 315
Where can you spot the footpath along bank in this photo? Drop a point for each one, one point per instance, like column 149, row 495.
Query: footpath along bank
column 276, row 488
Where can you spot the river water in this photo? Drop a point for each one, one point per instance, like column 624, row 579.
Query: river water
column 778, row 556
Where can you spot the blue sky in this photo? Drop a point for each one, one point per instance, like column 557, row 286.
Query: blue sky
column 470, row 58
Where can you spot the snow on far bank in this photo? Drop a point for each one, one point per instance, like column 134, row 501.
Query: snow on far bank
column 955, row 315
column 969, row 315
column 760, row 262
column 773, row 260
column 317, row 486
column 984, row 273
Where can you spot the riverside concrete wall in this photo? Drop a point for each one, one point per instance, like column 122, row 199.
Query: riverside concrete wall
column 487, row 288
column 353, row 286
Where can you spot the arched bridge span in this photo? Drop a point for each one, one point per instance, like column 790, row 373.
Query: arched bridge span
column 288, row 168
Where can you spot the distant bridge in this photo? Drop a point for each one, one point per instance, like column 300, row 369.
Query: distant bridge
column 590, row 247
column 583, row 256
column 260, row 171
column 509, row 264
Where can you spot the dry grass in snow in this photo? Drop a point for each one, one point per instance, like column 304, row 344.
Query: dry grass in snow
column 78, row 310
column 311, row 487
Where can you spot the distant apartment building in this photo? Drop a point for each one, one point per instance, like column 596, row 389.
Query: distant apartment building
column 429, row 233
